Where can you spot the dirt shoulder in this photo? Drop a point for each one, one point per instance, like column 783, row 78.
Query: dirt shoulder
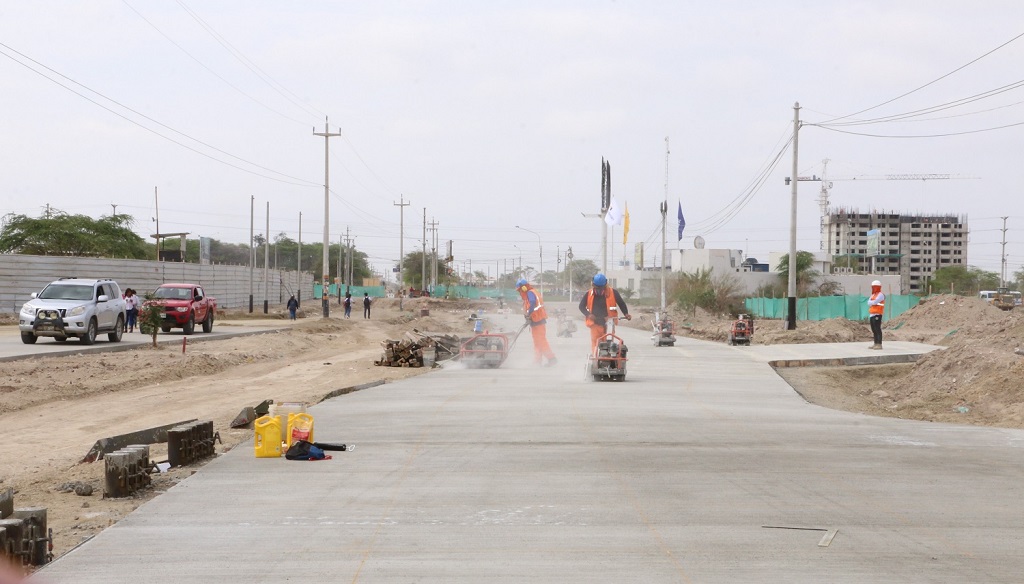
column 53, row 409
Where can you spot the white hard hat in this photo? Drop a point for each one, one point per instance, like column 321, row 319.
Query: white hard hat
column 876, row 283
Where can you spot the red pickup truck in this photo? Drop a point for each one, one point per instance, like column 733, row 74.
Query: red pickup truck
column 184, row 305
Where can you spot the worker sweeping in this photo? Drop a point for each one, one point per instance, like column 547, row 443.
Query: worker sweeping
column 599, row 304
column 537, row 318
column 876, row 308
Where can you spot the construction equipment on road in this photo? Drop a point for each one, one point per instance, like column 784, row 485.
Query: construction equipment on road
column 664, row 332
column 1003, row 299
column 566, row 327
column 488, row 350
column 608, row 361
column 742, row 330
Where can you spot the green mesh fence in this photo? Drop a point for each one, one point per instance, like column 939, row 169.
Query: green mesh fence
column 332, row 291
column 852, row 307
column 473, row 292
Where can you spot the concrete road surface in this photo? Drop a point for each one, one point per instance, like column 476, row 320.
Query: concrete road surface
column 703, row 466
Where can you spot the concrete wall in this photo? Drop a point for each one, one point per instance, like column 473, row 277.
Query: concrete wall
column 21, row 275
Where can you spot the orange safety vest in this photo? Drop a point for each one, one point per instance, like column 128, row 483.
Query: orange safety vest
column 539, row 314
column 877, row 308
column 609, row 301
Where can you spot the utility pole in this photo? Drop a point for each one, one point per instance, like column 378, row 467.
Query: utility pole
column 401, row 245
column 341, row 270
column 1002, row 276
column 266, row 265
column 568, row 264
column 423, row 273
column 252, row 250
column 298, row 261
column 664, row 223
column 433, row 251
column 114, row 205
column 791, row 312
column 327, row 213
column 156, row 204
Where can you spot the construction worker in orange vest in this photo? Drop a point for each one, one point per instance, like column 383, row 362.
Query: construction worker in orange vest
column 876, row 308
column 599, row 304
column 537, row 318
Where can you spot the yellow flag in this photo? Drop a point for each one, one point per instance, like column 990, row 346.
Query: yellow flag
column 625, row 225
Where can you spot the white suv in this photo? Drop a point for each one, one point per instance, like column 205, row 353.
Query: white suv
column 72, row 307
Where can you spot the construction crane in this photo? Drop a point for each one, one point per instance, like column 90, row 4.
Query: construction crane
column 826, row 184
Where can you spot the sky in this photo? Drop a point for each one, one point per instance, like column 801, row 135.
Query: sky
column 486, row 116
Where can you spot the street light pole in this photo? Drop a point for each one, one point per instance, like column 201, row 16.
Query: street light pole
column 540, row 278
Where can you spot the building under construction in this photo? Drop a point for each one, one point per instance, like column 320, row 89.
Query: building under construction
column 886, row 243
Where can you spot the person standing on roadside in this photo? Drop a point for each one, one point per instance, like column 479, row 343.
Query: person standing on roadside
column 131, row 310
column 876, row 308
column 348, row 304
column 600, row 303
column 293, row 306
column 537, row 318
column 366, row 304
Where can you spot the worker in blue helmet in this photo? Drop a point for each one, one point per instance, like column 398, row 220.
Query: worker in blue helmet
column 536, row 318
column 598, row 305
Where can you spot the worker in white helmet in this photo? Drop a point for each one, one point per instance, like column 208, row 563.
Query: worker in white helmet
column 876, row 308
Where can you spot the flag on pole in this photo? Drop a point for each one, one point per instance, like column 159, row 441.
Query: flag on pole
column 614, row 215
column 682, row 222
column 625, row 225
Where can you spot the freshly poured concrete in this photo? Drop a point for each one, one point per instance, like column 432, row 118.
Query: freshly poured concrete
column 703, row 466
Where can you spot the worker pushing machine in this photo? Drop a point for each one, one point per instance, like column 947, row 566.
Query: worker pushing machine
column 537, row 318
column 600, row 303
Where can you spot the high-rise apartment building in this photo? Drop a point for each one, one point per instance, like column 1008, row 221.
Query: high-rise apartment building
column 912, row 246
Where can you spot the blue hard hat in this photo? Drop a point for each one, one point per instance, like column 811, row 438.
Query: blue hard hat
column 600, row 280
column 521, row 282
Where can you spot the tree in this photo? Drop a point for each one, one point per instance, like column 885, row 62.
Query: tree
column 966, row 281
column 58, row 233
column 583, row 272
column 412, row 269
column 805, row 273
column 1018, row 280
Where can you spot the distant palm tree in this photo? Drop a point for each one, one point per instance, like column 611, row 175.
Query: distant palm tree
column 805, row 273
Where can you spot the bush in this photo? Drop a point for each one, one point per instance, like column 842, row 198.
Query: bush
column 716, row 294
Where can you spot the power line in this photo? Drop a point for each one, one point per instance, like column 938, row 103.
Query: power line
column 932, row 82
column 945, row 135
column 940, row 107
column 250, row 64
column 211, row 71
column 303, row 182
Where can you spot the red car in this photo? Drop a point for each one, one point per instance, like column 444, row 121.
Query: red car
column 184, row 305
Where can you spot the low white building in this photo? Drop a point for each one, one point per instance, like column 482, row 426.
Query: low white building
column 748, row 275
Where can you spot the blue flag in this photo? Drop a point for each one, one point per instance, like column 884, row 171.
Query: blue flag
column 682, row 222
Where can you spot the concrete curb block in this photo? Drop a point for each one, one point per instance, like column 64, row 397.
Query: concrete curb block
column 845, row 361
column 350, row 389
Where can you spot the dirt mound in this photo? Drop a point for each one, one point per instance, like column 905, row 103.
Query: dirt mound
column 939, row 317
column 833, row 330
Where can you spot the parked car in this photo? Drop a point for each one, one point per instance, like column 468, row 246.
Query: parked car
column 183, row 306
column 74, row 307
